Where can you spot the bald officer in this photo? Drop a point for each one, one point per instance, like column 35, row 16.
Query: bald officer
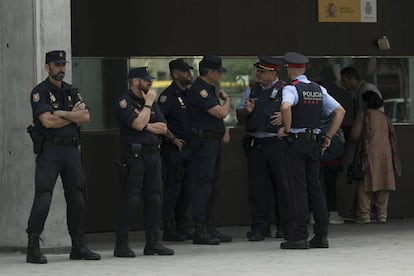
column 302, row 105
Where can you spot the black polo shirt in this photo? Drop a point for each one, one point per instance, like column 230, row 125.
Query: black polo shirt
column 127, row 109
column 173, row 104
column 47, row 97
column 201, row 97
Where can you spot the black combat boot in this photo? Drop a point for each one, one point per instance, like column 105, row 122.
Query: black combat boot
column 202, row 236
column 79, row 250
column 152, row 245
column 215, row 233
column 319, row 241
column 121, row 247
column 302, row 244
column 183, row 229
column 34, row 255
column 254, row 235
column 170, row 233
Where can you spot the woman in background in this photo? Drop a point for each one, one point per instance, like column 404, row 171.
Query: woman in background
column 379, row 155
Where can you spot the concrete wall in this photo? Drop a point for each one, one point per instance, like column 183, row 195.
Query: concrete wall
column 28, row 28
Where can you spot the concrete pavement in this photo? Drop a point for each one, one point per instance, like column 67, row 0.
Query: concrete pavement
column 374, row 249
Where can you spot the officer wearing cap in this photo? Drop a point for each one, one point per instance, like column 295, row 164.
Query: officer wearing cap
column 303, row 102
column 265, row 152
column 207, row 126
column 140, row 125
column 176, row 153
column 58, row 109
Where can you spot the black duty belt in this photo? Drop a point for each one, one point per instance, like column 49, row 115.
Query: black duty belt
column 265, row 140
column 207, row 134
column 62, row 140
column 137, row 149
column 308, row 136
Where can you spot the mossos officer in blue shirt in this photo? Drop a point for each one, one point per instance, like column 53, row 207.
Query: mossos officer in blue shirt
column 265, row 151
column 208, row 130
column 302, row 105
column 140, row 124
column 176, row 153
column 58, row 108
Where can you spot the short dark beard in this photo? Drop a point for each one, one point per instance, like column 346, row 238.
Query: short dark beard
column 145, row 90
column 59, row 76
column 185, row 82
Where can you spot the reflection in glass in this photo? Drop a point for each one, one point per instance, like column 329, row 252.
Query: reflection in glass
column 102, row 80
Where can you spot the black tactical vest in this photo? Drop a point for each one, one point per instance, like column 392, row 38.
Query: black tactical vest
column 307, row 112
column 267, row 101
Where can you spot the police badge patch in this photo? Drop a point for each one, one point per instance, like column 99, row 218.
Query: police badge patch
column 163, row 99
column 52, row 97
column 123, row 103
column 79, row 97
column 204, row 93
column 274, row 94
column 36, row 97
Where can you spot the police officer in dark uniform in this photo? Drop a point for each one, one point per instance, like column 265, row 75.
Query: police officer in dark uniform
column 177, row 173
column 265, row 151
column 58, row 108
column 303, row 102
column 140, row 124
column 207, row 126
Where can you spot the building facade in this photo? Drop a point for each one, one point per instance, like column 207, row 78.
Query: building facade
column 104, row 38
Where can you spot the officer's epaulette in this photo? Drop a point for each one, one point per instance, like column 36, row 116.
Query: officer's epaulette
column 318, row 83
column 294, row 82
column 281, row 83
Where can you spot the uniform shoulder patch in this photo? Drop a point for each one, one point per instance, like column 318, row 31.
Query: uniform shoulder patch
column 204, row 93
column 163, row 98
column 123, row 103
column 36, row 97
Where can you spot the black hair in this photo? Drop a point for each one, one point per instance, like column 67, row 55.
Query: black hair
column 203, row 70
column 372, row 99
column 350, row 72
